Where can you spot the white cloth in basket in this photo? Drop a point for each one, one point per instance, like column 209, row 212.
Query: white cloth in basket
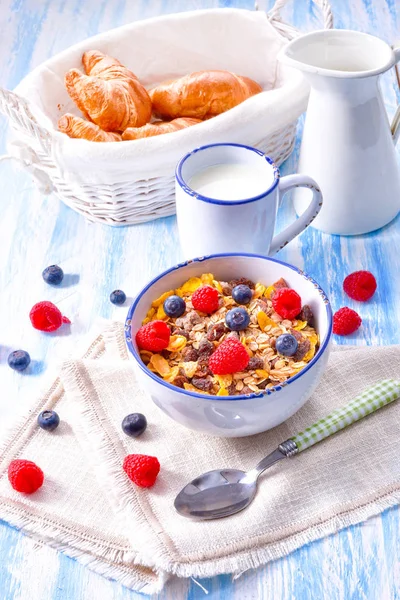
column 158, row 49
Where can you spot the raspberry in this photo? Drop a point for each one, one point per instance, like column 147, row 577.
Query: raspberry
column 205, row 299
column 25, row 476
column 287, row 303
column 153, row 336
column 230, row 357
column 45, row 316
column 346, row 321
column 360, row 285
column 141, row 469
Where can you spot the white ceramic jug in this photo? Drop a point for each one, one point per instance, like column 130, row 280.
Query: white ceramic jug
column 348, row 145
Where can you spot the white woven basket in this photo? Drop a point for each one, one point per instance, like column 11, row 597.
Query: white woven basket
column 133, row 182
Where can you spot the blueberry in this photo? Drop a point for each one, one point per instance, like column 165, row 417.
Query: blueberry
column 18, row 360
column 286, row 344
column 237, row 319
column 53, row 275
column 118, row 297
column 48, row 420
column 134, row 424
column 174, row 306
column 242, row 294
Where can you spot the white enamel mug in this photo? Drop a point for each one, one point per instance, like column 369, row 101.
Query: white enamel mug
column 208, row 225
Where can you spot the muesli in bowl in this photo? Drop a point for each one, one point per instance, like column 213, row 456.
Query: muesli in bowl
column 227, row 338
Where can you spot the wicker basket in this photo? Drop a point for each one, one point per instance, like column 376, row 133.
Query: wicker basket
column 148, row 193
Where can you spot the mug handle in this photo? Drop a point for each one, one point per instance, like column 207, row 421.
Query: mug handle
column 308, row 216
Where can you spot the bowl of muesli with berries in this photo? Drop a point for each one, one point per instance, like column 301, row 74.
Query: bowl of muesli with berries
column 230, row 345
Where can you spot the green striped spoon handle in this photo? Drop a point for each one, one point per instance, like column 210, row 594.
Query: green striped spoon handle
column 371, row 400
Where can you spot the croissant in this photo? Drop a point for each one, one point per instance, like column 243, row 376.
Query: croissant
column 76, row 127
column 109, row 94
column 157, row 128
column 201, row 95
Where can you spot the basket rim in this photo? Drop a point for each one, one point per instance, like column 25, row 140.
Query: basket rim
column 81, row 46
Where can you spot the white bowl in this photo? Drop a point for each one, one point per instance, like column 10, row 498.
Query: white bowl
column 233, row 416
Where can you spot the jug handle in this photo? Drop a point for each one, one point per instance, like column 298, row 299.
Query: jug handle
column 395, row 126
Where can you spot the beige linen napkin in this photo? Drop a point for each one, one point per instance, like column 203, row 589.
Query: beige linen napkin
column 299, row 500
column 90, row 509
column 70, row 512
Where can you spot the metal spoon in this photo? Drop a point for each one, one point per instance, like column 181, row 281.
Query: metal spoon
column 221, row 493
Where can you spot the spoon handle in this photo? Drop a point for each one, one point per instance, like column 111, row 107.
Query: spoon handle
column 371, row 400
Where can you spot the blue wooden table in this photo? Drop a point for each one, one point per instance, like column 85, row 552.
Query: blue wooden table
column 361, row 562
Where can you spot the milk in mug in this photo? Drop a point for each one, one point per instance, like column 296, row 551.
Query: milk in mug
column 232, row 181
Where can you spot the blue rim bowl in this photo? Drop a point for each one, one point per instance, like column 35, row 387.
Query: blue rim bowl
column 189, row 394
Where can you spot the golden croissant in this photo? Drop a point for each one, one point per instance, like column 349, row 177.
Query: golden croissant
column 109, row 94
column 201, row 95
column 158, row 128
column 76, row 127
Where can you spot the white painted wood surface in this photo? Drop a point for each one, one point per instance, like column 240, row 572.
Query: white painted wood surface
column 361, row 562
